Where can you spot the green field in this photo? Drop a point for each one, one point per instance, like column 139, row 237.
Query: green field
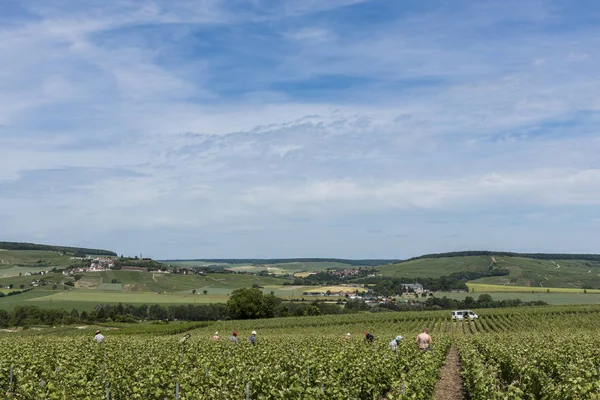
column 25, row 280
column 82, row 298
column 555, row 298
column 87, row 300
column 487, row 288
column 15, row 262
column 544, row 273
column 194, row 263
column 527, row 272
column 562, row 278
column 289, row 268
column 134, row 281
column 434, row 267
column 157, row 282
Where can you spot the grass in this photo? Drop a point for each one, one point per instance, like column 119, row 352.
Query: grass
column 560, row 298
column 301, row 289
column 563, row 278
column 486, row 288
column 524, row 272
column 292, row 268
column 195, row 263
column 84, row 300
column 434, row 267
column 133, row 281
column 545, row 273
column 10, row 302
column 13, row 262
column 25, row 280
column 279, row 269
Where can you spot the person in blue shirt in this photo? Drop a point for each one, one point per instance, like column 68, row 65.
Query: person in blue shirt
column 252, row 338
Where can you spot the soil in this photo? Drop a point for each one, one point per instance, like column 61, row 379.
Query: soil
column 449, row 386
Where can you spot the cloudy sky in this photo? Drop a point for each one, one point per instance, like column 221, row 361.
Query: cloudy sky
column 300, row 128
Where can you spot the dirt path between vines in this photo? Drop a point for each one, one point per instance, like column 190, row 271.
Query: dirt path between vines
column 449, row 386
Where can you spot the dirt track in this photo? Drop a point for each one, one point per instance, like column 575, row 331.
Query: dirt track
column 449, row 386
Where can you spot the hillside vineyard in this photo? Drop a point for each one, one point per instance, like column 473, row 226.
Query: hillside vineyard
column 506, row 354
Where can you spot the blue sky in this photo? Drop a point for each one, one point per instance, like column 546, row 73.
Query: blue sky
column 300, row 128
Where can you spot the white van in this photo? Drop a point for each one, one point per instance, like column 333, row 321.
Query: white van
column 464, row 314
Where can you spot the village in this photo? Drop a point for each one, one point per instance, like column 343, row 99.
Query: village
column 412, row 291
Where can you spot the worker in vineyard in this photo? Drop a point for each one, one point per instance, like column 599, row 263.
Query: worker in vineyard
column 368, row 337
column 394, row 343
column 347, row 336
column 252, row 338
column 99, row 338
column 184, row 338
column 424, row 340
column 215, row 337
column 234, row 338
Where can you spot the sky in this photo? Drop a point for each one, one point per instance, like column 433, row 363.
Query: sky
column 300, row 128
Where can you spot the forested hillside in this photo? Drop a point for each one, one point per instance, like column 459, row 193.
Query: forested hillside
column 538, row 256
column 64, row 249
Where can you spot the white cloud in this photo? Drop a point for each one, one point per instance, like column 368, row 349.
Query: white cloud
column 423, row 113
column 541, row 188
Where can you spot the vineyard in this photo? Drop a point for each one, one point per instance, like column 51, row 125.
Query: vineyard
column 526, row 353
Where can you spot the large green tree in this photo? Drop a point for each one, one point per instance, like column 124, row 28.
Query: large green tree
column 250, row 303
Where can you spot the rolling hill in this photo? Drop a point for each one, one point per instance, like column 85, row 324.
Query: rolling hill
column 535, row 271
column 528, row 270
column 15, row 262
column 539, row 270
column 61, row 249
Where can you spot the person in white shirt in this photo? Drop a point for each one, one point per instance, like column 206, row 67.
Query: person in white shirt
column 99, row 338
column 184, row 338
column 394, row 343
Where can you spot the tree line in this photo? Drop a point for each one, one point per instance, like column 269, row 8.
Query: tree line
column 63, row 249
column 483, row 301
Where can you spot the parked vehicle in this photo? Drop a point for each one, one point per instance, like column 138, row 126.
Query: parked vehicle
column 464, row 314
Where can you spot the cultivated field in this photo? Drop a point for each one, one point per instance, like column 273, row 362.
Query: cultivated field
column 553, row 298
column 435, row 267
column 15, row 262
column 524, row 272
column 555, row 281
column 488, row 288
column 525, row 353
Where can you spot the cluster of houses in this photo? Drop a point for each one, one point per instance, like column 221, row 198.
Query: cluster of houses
column 345, row 273
column 416, row 288
column 38, row 282
column 413, row 287
column 104, row 263
column 367, row 298
column 36, row 273
column 330, row 293
column 96, row 265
